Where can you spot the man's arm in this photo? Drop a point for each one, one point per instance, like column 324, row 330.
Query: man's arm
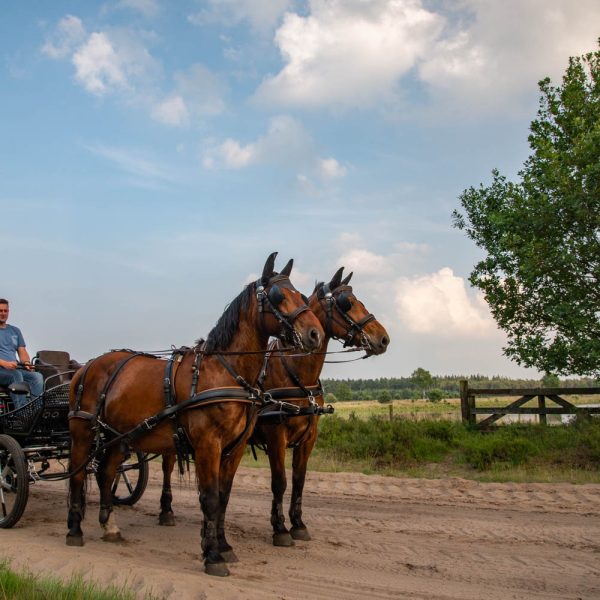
column 24, row 357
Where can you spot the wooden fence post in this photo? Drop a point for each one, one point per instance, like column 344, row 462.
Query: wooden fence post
column 542, row 404
column 391, row 408
column 464, row 401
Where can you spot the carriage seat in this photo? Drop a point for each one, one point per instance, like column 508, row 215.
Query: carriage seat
column 56, row 366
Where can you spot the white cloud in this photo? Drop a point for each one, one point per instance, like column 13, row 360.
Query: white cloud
column 286, row 143
column 69, row 33
column 260, row 14
column 348, row 52
column 198, row 93
column 365, row 262
column 438, row 303
column 330, row 168
column 472, row 55
column 171, row 111
column 98, row 66
column 505, row 48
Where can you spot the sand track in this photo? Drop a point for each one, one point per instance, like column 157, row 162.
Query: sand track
column 373, row 537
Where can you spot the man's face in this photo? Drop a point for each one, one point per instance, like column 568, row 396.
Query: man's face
column 3, row 314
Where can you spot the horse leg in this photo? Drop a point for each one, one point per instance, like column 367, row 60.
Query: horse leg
column 81, row 447
column 276, row 451
column 207, row 476
column 229, row 466
column 299, row 464
column 107, row 472
column 166, row 516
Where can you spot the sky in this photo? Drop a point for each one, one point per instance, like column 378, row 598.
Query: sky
column 154, row 153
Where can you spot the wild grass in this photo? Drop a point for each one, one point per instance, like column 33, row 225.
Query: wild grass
column 24, row 585
column 413, row 447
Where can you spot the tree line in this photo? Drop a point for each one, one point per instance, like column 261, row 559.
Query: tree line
column 421, row 384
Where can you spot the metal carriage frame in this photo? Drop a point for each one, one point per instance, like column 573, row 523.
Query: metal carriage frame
column 37, row 433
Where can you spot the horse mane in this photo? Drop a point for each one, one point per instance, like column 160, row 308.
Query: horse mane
column 222, row 334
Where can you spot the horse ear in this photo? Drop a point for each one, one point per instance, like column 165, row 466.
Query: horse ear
column 269, row 267
column 288, row 268
column 336, row 280
column 346, row 281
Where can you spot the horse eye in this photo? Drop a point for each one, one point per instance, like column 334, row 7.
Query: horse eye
column 276, row 295
column 344, row 302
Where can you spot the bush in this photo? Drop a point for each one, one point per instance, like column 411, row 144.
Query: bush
column 435, row 395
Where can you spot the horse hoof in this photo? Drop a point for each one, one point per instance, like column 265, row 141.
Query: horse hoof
column 229, row 556
column 282, row 539
column 166, row 519
column 74, row 540
column 112, row 537
column 217, row 569
column 300, row 534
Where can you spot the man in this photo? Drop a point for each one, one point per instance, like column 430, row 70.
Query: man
column 12, row 345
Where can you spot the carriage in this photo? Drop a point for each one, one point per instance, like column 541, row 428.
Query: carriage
column 35, row 444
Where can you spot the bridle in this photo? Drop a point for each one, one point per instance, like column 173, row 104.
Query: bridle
column 337, row 302
column 269, row 296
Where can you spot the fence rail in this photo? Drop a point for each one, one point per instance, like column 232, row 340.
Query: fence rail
column 469, row 409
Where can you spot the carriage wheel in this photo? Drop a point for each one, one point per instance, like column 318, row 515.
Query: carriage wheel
column 131, row 479
column 14, row 481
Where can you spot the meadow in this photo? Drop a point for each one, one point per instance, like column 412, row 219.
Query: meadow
column 418, row 438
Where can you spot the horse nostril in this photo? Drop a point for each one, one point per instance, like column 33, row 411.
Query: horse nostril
column 314, row 336
column 385, row 340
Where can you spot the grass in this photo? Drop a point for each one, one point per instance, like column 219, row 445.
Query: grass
column 416, row 447
column 23, row 585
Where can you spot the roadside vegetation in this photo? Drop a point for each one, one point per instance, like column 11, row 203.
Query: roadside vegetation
column 426, row 446
column 21, row 584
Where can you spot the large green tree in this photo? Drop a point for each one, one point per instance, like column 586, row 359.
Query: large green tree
column 541, row 235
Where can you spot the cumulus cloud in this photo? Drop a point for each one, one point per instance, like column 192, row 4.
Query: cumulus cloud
column 348, row 52
column 69, row 33
column 503, row 48
column 439, row 303
column 98, row 65
column 483, row 56
column 261, row 14
column 118, row 62
column 365, row 262
column 286, row 143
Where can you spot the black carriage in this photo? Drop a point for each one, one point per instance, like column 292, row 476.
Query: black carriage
column 37, row 433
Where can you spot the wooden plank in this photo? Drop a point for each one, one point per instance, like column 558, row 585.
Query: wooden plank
column 498, row 415
column 542, row 406
column 561, row 401
column 533, row 410
column 533, row 391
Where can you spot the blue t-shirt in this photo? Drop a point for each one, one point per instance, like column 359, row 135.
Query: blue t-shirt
column 11, row 338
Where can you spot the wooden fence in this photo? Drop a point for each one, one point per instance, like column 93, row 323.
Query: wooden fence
column 559, row 406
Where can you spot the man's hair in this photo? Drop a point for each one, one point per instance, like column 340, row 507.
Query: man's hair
column 4, row 301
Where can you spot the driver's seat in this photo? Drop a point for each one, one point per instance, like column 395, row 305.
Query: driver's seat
column 56, row 366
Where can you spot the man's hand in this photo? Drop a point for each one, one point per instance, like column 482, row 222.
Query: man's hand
column 6, row 364
column 27, row 366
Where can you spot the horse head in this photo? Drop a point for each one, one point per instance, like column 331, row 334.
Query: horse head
column 284, row 311
column 344, row 317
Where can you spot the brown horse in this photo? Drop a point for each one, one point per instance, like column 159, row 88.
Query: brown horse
column 204, row 399
column 296, row 380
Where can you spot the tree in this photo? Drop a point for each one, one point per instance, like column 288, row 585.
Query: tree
column 550, row 380
column 422, row 379
column 384, row 397
column 542, row 234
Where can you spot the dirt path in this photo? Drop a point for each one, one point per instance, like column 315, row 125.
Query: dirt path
column 373, row 537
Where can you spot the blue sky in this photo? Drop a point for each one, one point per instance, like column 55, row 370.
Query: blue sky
column 153, row 153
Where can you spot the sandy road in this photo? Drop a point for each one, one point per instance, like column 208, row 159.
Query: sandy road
column 373, row 537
